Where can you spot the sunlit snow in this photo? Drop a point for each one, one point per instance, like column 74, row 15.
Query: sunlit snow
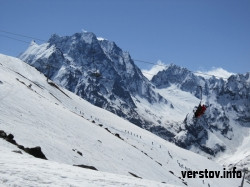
column 63, row 124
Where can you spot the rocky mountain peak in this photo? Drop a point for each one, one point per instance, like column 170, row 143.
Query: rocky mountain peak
column 73, row 61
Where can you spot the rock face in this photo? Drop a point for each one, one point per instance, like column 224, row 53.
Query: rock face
column 182, row 77
column 97, row 70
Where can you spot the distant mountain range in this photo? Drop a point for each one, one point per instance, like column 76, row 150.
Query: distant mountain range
column 106, row 76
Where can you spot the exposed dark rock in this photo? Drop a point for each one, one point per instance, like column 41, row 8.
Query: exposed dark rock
column 54, row 85
column 185, row 183
column 134, row 175
column 80, row 153
column 118, row 136
column 10, row 137
column 171, row 172
column 20, row 147
column 107, row 130
column 158, row 163
column 36, row 152
column 87, row 167
column 17, row 151
column 2, row 134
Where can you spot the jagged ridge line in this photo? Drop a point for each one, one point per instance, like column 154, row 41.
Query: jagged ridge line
column 143, row 61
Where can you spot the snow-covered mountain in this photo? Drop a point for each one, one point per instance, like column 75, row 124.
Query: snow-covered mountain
column 71, row 131
column 100, row 72
column 96, row 70
column 223, row 132
column 217, row 72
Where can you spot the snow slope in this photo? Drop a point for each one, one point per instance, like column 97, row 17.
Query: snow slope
column 25, row 170
column 39, row 113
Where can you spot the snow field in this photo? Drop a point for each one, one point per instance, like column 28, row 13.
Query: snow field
column 61, row 122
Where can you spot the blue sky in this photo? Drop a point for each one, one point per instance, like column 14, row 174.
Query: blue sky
column 196, row 34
